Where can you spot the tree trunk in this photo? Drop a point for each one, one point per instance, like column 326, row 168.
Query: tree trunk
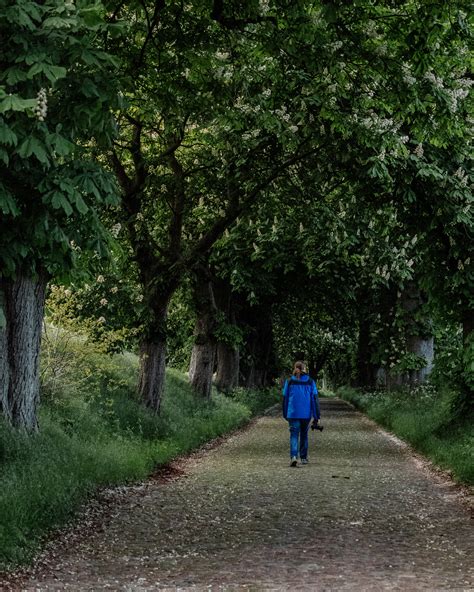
column 5, row 409
column 424, row 347
column 419, row 338
column 151, row 381
column 24, row 300
column 201, row 368
column 365, row 369
column 258, row 367
column 228, row 358
column 228, row 354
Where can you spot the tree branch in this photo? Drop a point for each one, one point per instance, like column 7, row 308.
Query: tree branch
column 217, row 15
column 237, row 207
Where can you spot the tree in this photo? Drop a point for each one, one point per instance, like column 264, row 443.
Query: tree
column 54, row 104
column 174, row 149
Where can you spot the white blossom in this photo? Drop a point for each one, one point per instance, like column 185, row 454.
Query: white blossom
column 264, row 6
column 100, row 279
column 419, row 150
column 114, row 289
column 371, row 29
column 104, row 302
column 101, row 320
column 407, row 75
column 41, row 108
column 435, row 80
column 116, row 229
column 335, row 45
column 266, row 93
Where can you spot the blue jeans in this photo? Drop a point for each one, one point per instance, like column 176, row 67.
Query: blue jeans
column 299, row 437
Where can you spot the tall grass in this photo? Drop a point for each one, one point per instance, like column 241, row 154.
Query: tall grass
column 93, row 433
column 423, row 417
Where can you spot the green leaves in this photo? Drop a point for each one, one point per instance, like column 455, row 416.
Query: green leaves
column 52, row 73
column 61, row 145
column 7, row 135
column 60, row 201
column 16, row 103
column 8, row 205
column 48, row 128
column 32, row 146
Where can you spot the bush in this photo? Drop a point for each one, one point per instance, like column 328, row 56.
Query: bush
column 256, row 401
column 423, row 417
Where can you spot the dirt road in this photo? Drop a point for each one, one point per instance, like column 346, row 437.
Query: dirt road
column 363, row 515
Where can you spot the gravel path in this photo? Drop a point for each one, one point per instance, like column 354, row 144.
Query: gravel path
column 364, row 515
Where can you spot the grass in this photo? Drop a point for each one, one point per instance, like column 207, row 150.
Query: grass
column 423, row 417
column 97, row 434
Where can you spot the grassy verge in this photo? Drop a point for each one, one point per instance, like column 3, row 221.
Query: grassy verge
column 94, row 434
column 422, row 417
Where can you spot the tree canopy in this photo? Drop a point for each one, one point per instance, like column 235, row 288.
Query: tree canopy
column 296, row 176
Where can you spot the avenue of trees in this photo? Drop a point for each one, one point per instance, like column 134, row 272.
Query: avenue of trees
column 223, row 186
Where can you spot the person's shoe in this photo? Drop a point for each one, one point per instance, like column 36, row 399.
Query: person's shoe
column 294, row 461
column 304, row 461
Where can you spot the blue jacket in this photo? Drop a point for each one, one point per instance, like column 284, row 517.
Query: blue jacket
column 300, row 398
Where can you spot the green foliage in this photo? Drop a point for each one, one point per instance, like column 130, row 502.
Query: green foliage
column 56, row 91
column 256, row 400
column 423, row 417
column 180, row 330
column 106, row 310
column 226, row 332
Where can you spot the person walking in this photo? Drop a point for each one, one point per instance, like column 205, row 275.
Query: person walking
column 300, row 404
